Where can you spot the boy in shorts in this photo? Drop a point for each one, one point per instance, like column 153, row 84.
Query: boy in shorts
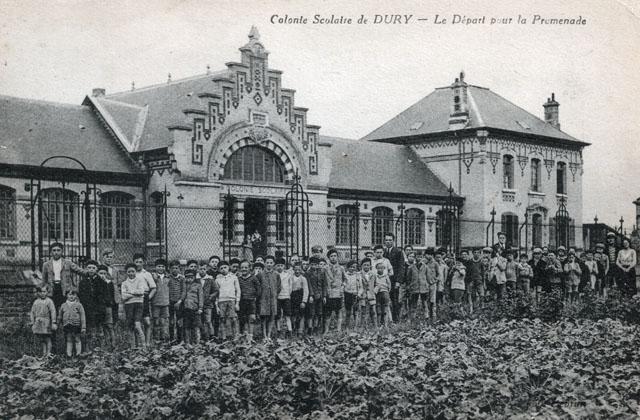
column 335, row 290
column 72, row 318
column 193, row 302
column 381, row 288
column 317, row 282
column 132, row 291
column 228, row 302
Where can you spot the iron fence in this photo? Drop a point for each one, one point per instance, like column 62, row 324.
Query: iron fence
column 158, row 230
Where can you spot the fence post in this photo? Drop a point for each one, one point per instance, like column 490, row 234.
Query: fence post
column 491, row 225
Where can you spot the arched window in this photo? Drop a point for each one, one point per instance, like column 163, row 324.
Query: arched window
column 510, row 228
column 59, row 211
column 561, row 178
column 115, row 215
column 256, row 164
column 7, row 213
column 535, row 175
column 381, row 223
column 157, row 206
column 414, row 227
column 536, row 230
column 507, row 171
column 345, row 224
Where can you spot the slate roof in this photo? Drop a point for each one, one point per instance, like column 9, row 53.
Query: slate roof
column 380, row 167
column 165, row 105
column 487, row 109
column 32, row 131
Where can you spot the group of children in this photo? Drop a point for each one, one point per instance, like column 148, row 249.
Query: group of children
column 216, row 298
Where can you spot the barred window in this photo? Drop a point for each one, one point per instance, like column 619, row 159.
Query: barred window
column 157, row 203
column 254, row 163
column 59, row 212
column 507, row 171
column 345, row 224
column 281, row 214
column 414, row 227
column 381, row 223
column 535, row 175
column 510, row 228
column 7, row 213
column 536, row 230
column 115, row 215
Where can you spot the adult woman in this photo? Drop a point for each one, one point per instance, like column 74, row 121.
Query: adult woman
column 626, row 262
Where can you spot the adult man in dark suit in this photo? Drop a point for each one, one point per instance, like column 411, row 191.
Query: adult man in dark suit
column 397, row 260
column 501, row 246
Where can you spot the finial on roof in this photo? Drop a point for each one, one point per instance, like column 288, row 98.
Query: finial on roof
column 462, row 75
column 169, row 78
column 254, row 34
column 208, row 69
column 133, row 86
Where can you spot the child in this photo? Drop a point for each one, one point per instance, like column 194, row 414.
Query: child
column 270, row 287
column 228, row 299
column 416, row 280
column 107, row 326
column 193, row 303
column 209, row 323
column 573, row 272
column 511, row 271
column 43, row 320
column 284, row 297
column 317, row 282
column 592, row 266
column 368, row 280
column 160, row 302
column 176, row 290
column 352, row 290
column 74, row 323
column 381, row 288
column 234, row 265
column 299, row 296
column 249, row 292
column 335, row 290
column 149, row 293
column 525, row 274
column 132, row 291
column 93, row 295
column 458, row 287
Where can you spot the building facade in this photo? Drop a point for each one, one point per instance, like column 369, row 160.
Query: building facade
column 199, row 166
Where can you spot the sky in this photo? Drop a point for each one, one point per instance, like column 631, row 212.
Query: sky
column 355, row 77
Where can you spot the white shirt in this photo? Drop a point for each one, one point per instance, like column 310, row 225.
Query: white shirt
column 388, row 268
column 148, row 280
column 57, row 269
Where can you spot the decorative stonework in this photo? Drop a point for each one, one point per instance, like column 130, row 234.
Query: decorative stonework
column 251, row 84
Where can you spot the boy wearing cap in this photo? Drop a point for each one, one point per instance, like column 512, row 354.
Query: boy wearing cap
column 228, row 302
column 92, row 293
column 209, row 323
column 193, row 303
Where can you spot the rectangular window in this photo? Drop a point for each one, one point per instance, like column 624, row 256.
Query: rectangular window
column 561, row 177
column 535, row 175
column 7, row 213
column 507, row 171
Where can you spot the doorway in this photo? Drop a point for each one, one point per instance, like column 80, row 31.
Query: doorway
column 255, row 225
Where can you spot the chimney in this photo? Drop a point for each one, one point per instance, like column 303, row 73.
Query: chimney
column 459, row 115
column 97, row 92
column 551, row 113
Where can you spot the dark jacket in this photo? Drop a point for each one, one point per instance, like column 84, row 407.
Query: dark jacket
column 68, row 276
column 94, row 294
column 539, row 272
column 396, row 258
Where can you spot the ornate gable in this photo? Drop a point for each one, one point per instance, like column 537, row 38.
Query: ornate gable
column 249, row 104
